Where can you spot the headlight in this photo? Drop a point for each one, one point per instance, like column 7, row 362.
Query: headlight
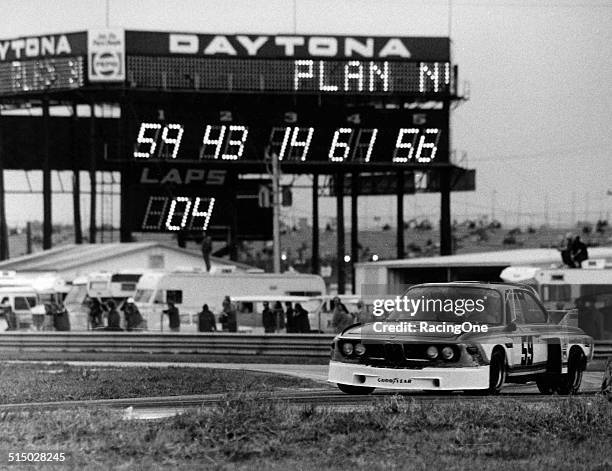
column 347, row 348
column 360, row 349
column 432, row 352
column 447, row 353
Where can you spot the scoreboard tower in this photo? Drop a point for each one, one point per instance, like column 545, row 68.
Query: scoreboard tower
column 199, row 111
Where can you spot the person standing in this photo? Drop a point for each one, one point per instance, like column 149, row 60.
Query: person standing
column 291, row 320
column 302, row 321
column 206, row 250
column 229, row 311
column 114, row 319
column 9, row 315
column 173, row 317
column 206, row 320
column 361, row 316
column 133, row 318
column 341, row 318
column 279, row 317
column 61, row 322
column 95, row 313
column 267, row 318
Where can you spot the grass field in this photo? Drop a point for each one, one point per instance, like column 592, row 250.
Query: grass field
column 394, row 433
column 24, row 382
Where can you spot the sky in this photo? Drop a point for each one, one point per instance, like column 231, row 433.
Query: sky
column 538, row 74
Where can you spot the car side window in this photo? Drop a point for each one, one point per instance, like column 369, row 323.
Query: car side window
column 532, row 311
column 513, row 308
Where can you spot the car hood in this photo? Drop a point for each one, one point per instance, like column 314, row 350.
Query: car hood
column 366, row 331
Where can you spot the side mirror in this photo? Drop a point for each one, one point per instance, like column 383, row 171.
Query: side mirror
column 511, row 327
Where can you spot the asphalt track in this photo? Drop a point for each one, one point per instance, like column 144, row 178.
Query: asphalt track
column 327, row 395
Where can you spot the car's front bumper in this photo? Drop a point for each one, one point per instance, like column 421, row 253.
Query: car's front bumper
column 443, row 379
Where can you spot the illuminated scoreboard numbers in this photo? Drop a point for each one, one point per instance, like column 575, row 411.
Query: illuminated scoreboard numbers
column 227, row 142
column 354, row 145
column 415, row 144
column 291, row 143
column 158, row 141
column 166, row 213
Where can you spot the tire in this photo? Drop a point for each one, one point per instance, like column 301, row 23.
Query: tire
column 570, row 383
column 354, row 390
column 497, row 374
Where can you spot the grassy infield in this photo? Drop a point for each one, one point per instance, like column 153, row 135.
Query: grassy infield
column 261, row 433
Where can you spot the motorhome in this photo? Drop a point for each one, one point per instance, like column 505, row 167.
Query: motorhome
column 320, row 310
column 104, row 286
column 190, row 289
column 563, row 289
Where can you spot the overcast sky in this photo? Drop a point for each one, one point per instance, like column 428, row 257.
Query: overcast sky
column 537, row 123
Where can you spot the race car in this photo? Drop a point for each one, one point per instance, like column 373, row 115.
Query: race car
column 466, row 336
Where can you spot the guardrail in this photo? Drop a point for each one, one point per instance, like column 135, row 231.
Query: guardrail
column 307, row 345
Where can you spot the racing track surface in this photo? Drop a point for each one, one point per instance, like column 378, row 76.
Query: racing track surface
column 327, row 395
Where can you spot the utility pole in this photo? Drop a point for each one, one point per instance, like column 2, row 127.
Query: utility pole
column 276, row 211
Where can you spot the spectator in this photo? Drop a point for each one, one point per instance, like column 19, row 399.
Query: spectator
column 206, row 250
column 301, row 319
column 133, row 318
column 173, row 317
column 290, row 316
column 114, row 320
column 579, row 252
column 267, row 318
column 230, row 314
column 95, row 313
column 362, row 315
column 9, row 314
column 61, row 321
column 341, row 318
column 279, row 317
column 206, row 320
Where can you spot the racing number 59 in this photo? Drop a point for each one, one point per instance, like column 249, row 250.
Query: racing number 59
column 526, row 351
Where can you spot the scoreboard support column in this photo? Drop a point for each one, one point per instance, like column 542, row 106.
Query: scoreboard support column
column 340, row 229
column 76, row 179
column 92, row 174
column 354, row 228
column 46, row 171
column 315, row 265
column 446, row 241
column 400, row 215
column 4, row 243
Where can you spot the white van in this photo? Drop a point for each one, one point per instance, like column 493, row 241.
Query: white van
column 189, row 290
column 104, row 286
column 22, row 300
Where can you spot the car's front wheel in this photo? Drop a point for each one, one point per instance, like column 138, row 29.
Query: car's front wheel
column 355, row 390
column 497, row 373
column 570, row 383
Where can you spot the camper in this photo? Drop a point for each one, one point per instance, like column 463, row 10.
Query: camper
column 104, row 286
column 320, row 310
column 587, row 289
column 189, row 290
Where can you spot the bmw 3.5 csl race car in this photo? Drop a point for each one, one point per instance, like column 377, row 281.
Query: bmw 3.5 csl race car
column 460, row 336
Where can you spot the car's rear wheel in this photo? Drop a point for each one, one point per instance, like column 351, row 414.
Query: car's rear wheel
column 570, row 383
column 355, row 390
column 497, row 373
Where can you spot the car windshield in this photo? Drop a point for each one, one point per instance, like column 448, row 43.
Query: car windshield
column 448, row 304
column 143, row 295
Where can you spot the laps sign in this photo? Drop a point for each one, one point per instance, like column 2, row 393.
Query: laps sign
column 106, row 53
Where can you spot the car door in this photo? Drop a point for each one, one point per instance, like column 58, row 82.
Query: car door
column 519, row 349
column 534, row 351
